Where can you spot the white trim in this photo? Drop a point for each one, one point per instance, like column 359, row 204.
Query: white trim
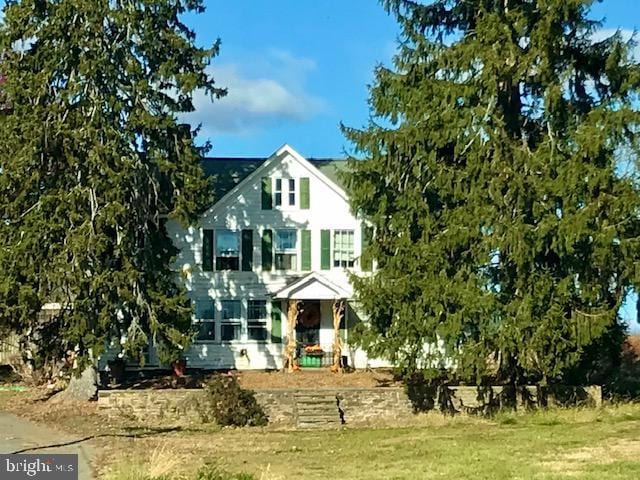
column 335, row 292
column 278, row 155
column 286, row 148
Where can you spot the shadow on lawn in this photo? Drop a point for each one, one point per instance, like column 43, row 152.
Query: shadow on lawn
column 489, row 399
column 147, row 432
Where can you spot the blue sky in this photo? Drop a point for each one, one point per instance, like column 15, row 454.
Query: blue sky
column 295, row 69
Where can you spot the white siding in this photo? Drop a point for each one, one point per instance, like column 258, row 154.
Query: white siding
column 329, row 210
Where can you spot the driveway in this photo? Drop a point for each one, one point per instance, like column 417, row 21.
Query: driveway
column 19, row 434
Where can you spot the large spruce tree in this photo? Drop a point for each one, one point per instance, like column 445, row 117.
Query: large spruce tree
column 498, row 174
column 92, row 159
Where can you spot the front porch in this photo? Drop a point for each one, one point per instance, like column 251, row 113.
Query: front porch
column 306, row 326
column 316, row 322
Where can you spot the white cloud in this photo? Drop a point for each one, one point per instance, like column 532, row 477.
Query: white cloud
column 266, row 91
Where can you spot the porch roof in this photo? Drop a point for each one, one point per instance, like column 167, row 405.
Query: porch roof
column 314, row 286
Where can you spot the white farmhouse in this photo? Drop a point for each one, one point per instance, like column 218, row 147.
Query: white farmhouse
column 281, row 229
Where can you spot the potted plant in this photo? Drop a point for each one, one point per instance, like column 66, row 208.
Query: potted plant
column 179, row 366
column 313, row 354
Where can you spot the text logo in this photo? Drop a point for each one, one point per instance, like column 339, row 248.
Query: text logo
column 39, row 466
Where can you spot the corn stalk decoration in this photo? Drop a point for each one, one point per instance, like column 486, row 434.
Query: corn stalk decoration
column 339, row 307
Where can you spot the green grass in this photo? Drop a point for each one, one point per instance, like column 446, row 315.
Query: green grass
column 574, row 443
column 554, row 444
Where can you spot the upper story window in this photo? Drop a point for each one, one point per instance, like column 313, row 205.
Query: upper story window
column 227, row 250
column 343, row 248
column 278, row 192
column 286, row 249
column 292, row 191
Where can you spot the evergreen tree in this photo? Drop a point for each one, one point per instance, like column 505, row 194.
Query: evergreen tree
column 92, row 160
column 506, row 230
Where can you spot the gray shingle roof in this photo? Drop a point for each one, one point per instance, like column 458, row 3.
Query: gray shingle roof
column 230, row 171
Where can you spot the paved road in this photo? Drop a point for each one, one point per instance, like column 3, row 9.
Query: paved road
column 18, row 434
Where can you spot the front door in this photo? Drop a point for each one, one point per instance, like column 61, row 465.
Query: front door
column 308, row 327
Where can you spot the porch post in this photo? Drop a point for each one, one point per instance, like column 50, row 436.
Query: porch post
column 293, row 313
column 338, row 313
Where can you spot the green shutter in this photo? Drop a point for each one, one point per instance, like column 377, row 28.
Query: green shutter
column 267, row 250
column 366, row 262
column 305, row 263
column 207, row 250
column 267, row 198
column 276, row 322
column 325, row 249
column 247, row 250
column 304, row 193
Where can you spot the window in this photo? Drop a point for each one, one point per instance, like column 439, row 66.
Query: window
column 278, row 191
column 292, row 191
column 343, row 254
column 205, row 319
column 286, row 249
column 257, row 320
column 231, row 326
column 227, row 250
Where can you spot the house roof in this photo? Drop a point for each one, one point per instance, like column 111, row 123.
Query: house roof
column 230, row 171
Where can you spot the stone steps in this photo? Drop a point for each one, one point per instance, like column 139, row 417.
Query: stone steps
column 317, row 410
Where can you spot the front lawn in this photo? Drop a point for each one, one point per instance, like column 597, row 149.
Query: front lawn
column 584, row 444
column 555, row 444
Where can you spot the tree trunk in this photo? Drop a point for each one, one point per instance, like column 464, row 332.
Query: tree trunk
column 81, row 388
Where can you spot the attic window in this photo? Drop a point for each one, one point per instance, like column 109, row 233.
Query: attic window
column 278, row 192
column 292, row 191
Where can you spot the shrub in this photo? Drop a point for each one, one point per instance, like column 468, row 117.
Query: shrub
column 210, row 472
column 230, row 405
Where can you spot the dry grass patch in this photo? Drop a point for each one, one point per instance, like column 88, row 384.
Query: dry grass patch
column 575, row 462
column 320, row 378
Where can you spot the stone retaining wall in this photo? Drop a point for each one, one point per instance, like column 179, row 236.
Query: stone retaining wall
column 466, row 399
column 358, row 405
column 151, row 405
